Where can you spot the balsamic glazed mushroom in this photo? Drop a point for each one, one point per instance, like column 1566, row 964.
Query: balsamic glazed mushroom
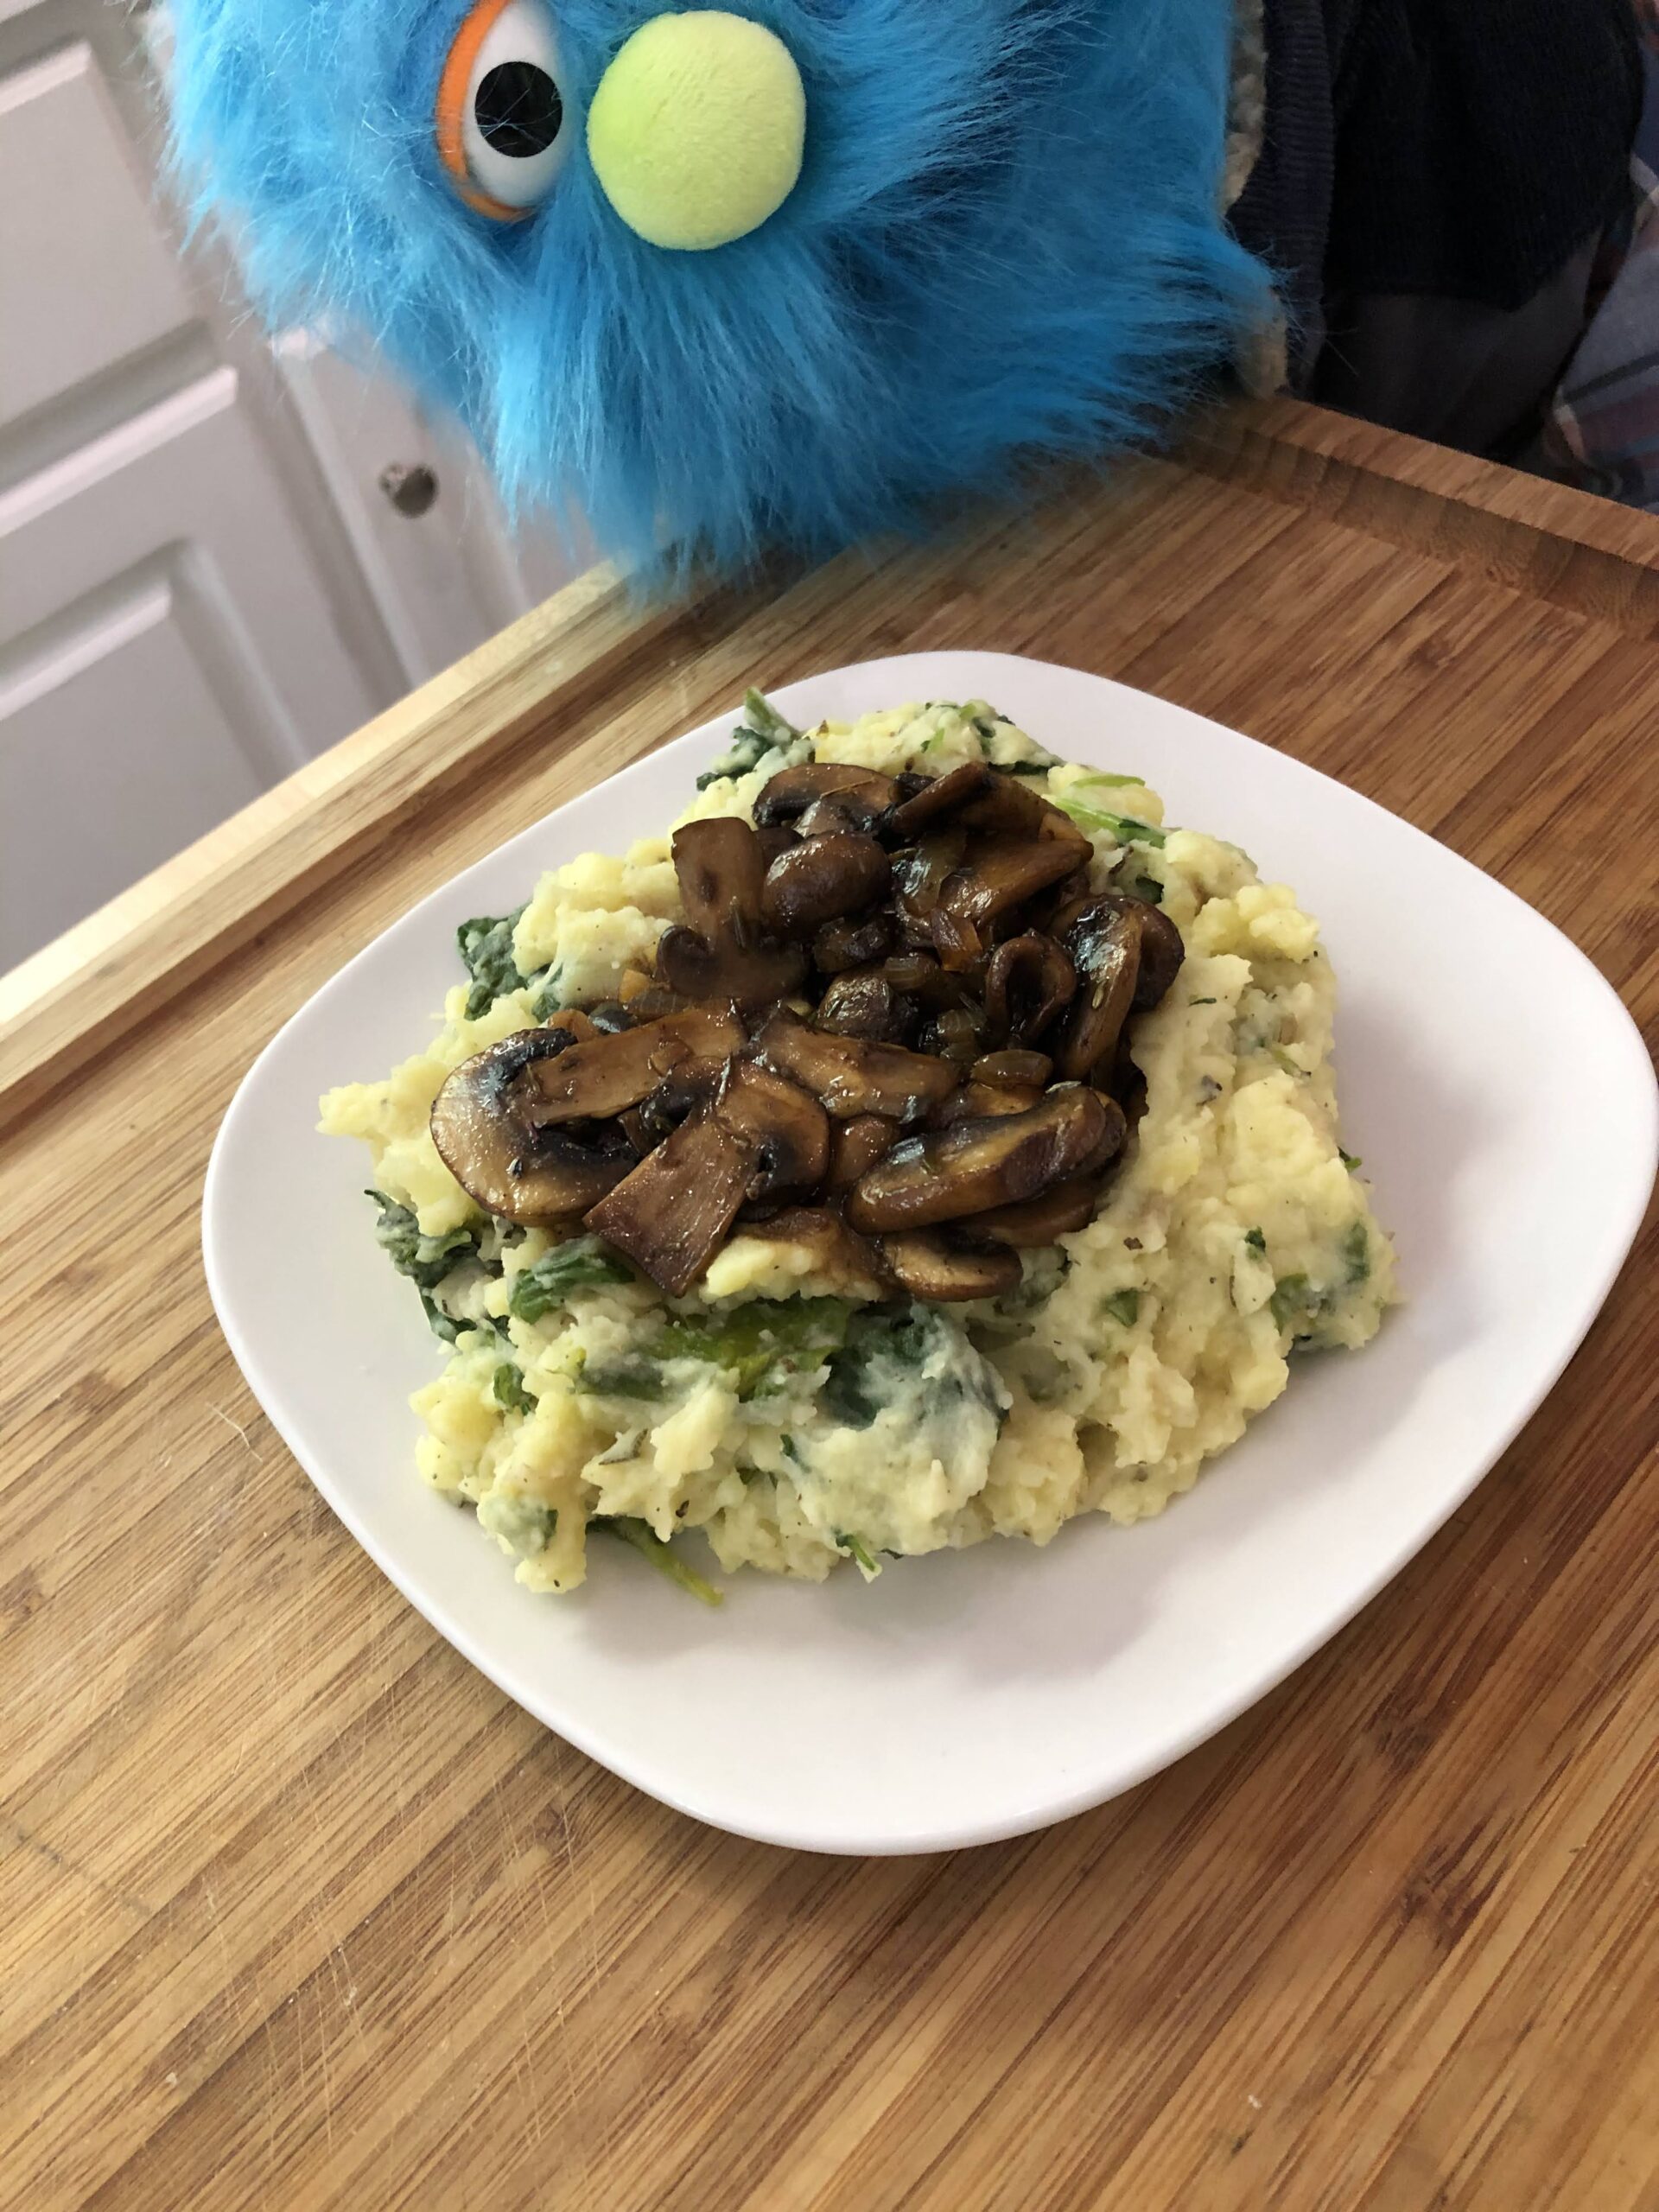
column 538, row 1177
column 722, row 951
column 928, row 1265
column 894, row 1024
column 980, row 1163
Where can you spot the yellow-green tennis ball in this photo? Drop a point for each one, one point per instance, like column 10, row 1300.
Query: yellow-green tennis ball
column 696, row 129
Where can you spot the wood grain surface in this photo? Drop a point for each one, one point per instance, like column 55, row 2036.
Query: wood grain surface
column 295, row 1909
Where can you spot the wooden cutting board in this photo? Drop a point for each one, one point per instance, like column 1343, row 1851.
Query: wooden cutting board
column 298, row 1910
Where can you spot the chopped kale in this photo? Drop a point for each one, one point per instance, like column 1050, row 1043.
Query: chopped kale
column 1123, row 1307
column 1351, row 1161
column 763, row 730
column 857, row 1549
column 485, row 949
column 763, row 1343
column 424, row 1260
column 650, row 1546
column 622, row 1378
column 1256, row 1240
column 507, row 1388
column 1123, row 827
column 1294, row 1300
column 1357, row 1252
column 549, row 1282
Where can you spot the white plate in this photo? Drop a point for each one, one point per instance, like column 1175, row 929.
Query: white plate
column 1506, row 1109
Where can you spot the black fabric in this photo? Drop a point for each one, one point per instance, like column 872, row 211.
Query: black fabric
column 1477, row 142
column 1283, row 213
column 1457, row 150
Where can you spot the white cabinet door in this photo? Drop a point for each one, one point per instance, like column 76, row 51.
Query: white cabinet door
column 202, row 579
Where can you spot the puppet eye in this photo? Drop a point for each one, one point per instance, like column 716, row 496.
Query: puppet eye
column 502, row 129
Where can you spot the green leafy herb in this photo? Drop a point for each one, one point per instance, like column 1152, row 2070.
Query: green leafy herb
column 424, row 1260
column 763, row 1342
column 549, row 999
column 485, row 949
column 549, row 1282
column 667, row 1561
column 1351, row 1161
column 523, row 1524
column 1256, row 1240
column 1124, row 1307
column 1357, row 1252
column 857, row 1549
column 507, row 1388
column 622, row 1378
column 1123, row 827
column 792, row 1451
column 1293, row 1298
column 762, row 730
column 1147, row 889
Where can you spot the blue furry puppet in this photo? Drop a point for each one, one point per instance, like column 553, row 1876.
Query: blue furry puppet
column 713, row 280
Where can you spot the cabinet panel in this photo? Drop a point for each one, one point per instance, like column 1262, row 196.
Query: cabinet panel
column 85, row 275
column 117, row 745
column 191, row 478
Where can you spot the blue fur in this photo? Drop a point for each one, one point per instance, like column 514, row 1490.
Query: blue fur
column 1005, row 243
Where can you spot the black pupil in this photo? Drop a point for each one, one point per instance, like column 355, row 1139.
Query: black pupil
column 518, row 110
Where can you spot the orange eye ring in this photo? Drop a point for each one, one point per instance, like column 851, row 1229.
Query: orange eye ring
column 502, row 123
column 451, row 109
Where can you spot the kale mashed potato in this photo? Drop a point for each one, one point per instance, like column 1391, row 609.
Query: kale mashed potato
column 790, row 1406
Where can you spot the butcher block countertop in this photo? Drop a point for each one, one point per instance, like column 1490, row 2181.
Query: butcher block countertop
column 299, row 1911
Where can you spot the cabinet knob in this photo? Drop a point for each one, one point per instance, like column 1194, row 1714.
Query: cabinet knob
column 410, row 486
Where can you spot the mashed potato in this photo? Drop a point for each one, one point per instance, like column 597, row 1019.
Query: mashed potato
column 791, row 1416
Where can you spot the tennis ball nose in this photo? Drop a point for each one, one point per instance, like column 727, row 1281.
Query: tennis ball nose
column 696, row 129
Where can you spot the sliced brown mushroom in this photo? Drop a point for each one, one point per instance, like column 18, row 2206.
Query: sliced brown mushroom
column 606, row 1018
column 775, row 838
column 789, row 1129
column 865, row 1004
column 1114, row 1134
column 841, row 945
column 1162, row 952
column 1000, row 874
column 1052, row 1214
column 856, row 1145
column 930, row 1265
column 957, row 943
column 1010, row 807
column 1029, row 981
column 850, row 1075
column 863, row 795
column 721, row 950
column 603, row 1075
column 918, row 877
column 1013, row 1066
column 978, row 1100
column 720, row 867
column 939, row 798
column 749, row 975
column 674, row 1211
column 510, row 1168
column 1105, row 946
column 975, row 1165
column 822, row 880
